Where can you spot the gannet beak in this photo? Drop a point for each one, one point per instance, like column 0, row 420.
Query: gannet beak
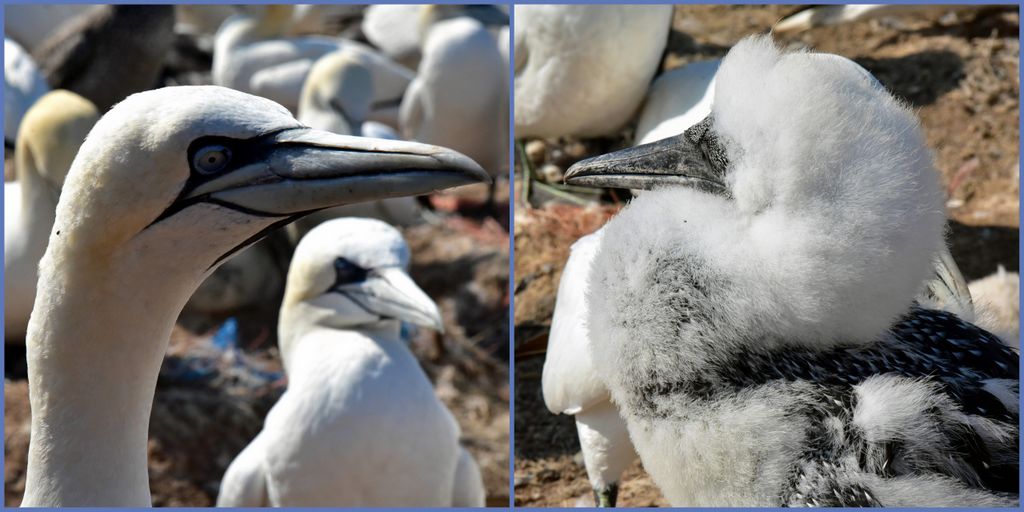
column 391, row 293
column 672, row 161
column 302, row 170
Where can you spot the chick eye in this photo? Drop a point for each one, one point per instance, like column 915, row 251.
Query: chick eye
column 211, row 159
column 347, row 272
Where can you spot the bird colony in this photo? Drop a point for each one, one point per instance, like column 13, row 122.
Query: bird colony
column 228, row 248
column 772, row 314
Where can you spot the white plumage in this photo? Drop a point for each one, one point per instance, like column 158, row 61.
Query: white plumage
column 460, row 95
column 677, row 100
column 53, row 129
column 359, row 424
column 23, row 85
column 583, row 69
column 753, row 318
column 168, row 183
column 252, row 54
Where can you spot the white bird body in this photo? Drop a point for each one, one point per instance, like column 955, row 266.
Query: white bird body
column 395, row 29
column 677, row 100
column 23, row 85
column 53, row 130
column 754, row 319
column 828, row 15
column 572, row 386
column 610, row 51
column 162, row 190
column 997, row 298
column 252, row 55
column 360, row 424
column 459, row 97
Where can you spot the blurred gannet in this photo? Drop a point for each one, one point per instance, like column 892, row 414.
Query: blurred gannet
column 360, row 424
column 460, row 96
column 753, row 317
column 109, row 53
column 51, row 133
column 828, row 15
column 677, row 100
column 23, row 86
column 400, row 30
column 609, row 51
column 167, row 184
column 31, row 23
column 252, row 54
column 997, row 297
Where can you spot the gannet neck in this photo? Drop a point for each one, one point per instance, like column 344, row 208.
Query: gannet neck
column 94, row 353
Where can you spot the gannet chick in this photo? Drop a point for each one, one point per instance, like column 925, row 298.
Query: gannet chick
column 571, row 385
column 253, row 54
column 677, row 100
column 23, row 86
column 49, row 138
column 460, row 95
column 583, row 70
column 360, row 424
column 168, row 184
column 753, row 316
column 109, row 53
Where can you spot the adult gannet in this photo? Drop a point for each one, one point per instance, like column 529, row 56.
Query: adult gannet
column 827, row 15
column 571, row 384
column 109, row 53
column 460, row 95
column 583, row 69
column 753, row 317
column 23, row 86
column 400, row 30
column 167, row 184
column 252, row 54
column 677, row 100
column 49, row 138
column 360, row 424
column 337, row 97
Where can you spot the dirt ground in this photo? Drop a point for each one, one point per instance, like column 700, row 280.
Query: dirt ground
column 959, row 70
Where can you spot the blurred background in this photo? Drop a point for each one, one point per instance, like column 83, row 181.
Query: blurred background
column 956, row 66
column 399, row 71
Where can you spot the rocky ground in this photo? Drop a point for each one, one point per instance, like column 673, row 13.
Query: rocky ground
column 959, row 70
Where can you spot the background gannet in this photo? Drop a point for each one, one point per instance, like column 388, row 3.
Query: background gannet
column 253, row 54
column 997, row 298
column 108, row 53
column 825, row 15
column 676, row 100
column 196, row 171
column 359, row 424
column 459, row 98
column 23, row 86
column 609, row 51
column 49, row 138
column 31, row 23
column 759, row 335
column 572, row 387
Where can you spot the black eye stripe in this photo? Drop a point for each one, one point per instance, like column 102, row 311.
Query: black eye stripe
column 346, row 272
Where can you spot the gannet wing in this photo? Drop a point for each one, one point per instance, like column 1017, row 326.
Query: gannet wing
column 570, row 382
column 245, row 482
column 947, row 290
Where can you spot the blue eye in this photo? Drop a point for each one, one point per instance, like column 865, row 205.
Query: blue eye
column 347, row 272
column 211, row 159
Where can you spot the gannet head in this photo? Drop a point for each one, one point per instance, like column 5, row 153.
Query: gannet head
column 356, row 269
column 804, row 209
column 51, row 133
column 205, row 171
column 337, row 94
